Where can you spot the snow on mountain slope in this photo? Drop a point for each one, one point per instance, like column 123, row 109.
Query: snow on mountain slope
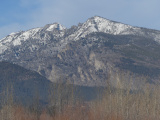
column 15, row 39
column 24, row 36
column 54, row 50
column 58, row 32
column 56, row 26
column 99, row 24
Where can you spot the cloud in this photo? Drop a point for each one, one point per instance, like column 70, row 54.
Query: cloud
column 69, row 12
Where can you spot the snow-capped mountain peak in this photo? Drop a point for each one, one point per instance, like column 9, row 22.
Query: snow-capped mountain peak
column 13, row 33
column 107, row 26
column 17, row 38
column 55, row 26
column 99, row 24
column 40, row 35
column 58, row 32
column 73, row 53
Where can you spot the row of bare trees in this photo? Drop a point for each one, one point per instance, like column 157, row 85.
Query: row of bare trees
column 127, row 101
column 120, row 100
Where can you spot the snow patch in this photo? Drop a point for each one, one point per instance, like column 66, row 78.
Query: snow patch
column 2, row 48
column 13, row 33
column 55, row 26
column 24, row 36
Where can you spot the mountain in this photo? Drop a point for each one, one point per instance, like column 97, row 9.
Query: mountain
column 87, row 54
column 27, row 87
column 23, row 84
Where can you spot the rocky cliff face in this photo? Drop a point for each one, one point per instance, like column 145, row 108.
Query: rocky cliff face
column 85, row 54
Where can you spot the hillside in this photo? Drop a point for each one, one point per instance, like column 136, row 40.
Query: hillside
column 87, row 54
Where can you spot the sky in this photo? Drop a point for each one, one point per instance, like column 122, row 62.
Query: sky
column 21, row 15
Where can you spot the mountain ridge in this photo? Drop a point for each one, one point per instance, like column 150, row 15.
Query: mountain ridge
column 93, row 24
column 83, row 54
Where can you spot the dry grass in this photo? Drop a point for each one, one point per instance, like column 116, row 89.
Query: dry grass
column 111, row 107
